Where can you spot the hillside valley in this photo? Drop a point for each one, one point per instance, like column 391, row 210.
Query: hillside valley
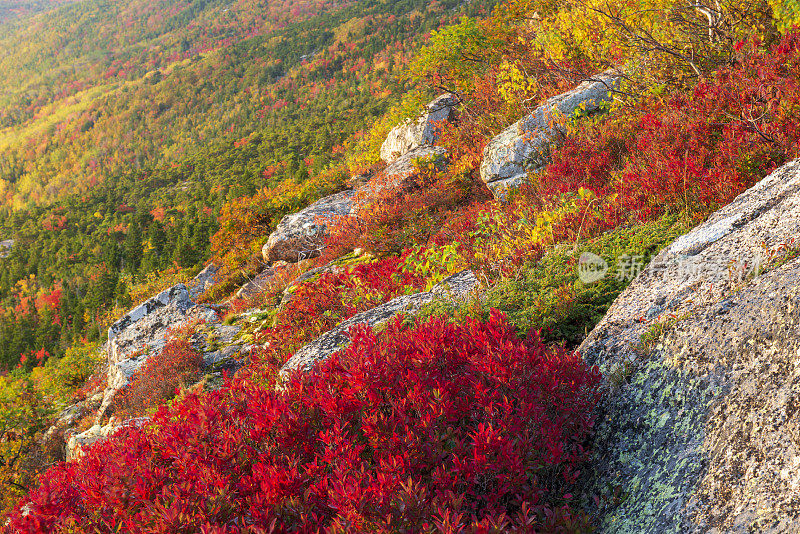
column 399, row 266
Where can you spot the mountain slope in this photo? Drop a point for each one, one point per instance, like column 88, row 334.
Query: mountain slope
column 125, row 131
column 461, row 415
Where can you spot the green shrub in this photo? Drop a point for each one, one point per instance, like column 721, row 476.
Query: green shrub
column 549, row 295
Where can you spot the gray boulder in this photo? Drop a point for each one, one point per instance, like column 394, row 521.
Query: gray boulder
column 258, row 284
column 224, row 359
column 301, row 235
column 523, row 146
column 77, row 444
column 5, row 247
column 455, row 288
column 131, row 347
column 177, row 294
column 413, row 134
column 701, row 353
column 398, row 177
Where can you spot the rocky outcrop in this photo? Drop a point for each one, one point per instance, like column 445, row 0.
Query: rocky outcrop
column 145, row 330
column 701, row 429
column 399, row 177
column 407, row 165
column 410, row 134
column 524, row 145
column 455, row 288
column 77, row 444
column 301, row 235
column 220, row 351
column 258, row 284
column 67, row 421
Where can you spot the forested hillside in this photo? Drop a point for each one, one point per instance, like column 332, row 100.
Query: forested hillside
column 10, row 10
column 140, row 141
column 126, row 127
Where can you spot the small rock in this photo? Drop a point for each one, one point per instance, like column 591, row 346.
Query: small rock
column 410, row 135
column 301, row 235
column 77, row 444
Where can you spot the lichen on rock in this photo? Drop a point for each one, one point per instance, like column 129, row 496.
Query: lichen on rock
column 523, row 146
column 700, row 429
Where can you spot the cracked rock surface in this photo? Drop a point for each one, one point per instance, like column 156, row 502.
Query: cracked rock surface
column 700, row 431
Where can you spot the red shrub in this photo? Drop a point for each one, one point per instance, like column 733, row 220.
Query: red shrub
column 587, row 158
column 176, row 365
column 693, row 152
column 440, row 426
column 319, row 305
column 397, row 213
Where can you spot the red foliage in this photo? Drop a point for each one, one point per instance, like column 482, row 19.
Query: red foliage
column 156, row 381
column 23, row 307
column 95, row 383
column 158, row 213
column 50, row 300
column 695, row 152
column 437, row 427
column 54, row 223
column 396, row 212
column 319, row 305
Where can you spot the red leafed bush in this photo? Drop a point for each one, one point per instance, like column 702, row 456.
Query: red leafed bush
column 690, row 152
column 176, row 365
column 396, row 213
column 435, row 428
column 319, row 305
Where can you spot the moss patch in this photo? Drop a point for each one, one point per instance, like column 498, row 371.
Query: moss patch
column 549, row 295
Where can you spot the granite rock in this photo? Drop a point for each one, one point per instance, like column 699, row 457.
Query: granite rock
column 700, row 430
column 301, row 235
column 413, row 134
column 523, row 146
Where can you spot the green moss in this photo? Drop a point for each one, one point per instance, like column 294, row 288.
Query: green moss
column 549, row 295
